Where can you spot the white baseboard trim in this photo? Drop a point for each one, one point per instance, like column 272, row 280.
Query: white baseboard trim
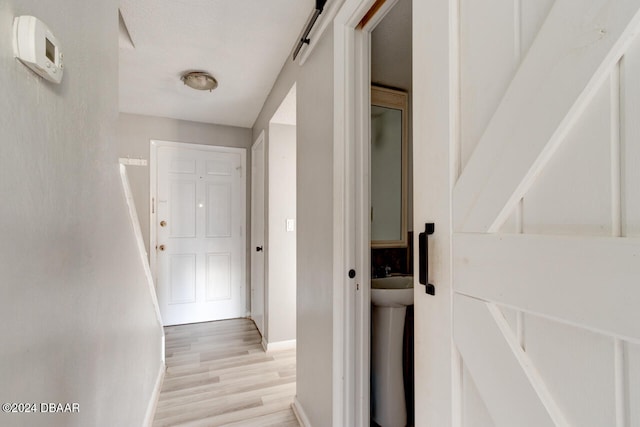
column 155, row 395
column 299, row 413
column 264, row 344
column 280, row 345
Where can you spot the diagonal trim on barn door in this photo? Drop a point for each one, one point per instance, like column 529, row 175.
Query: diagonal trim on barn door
column 585, row 281
column 570, row 58
column 510, row 386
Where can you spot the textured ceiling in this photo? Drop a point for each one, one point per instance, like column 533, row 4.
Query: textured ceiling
column 242, row 43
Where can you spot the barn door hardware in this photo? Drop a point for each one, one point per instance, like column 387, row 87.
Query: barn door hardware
column 429, row 228
column 304, row 38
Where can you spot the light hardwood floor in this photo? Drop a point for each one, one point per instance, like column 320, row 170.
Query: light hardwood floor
column 219, row 375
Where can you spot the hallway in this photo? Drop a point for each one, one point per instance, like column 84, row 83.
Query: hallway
column 219, row 375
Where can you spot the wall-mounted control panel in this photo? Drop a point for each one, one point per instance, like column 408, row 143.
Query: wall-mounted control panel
column 37, row 48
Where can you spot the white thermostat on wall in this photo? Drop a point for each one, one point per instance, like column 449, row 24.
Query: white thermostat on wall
column 37, row 48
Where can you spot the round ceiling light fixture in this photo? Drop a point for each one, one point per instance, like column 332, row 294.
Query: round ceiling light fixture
column 199, row 80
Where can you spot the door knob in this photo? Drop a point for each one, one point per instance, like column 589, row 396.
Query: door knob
column 163, row 223
column 258, row 248
column 162, row 247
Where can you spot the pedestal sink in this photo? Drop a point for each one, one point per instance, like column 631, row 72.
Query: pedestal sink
column 390, row 297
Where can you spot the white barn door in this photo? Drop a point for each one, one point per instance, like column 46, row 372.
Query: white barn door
column 546, row 214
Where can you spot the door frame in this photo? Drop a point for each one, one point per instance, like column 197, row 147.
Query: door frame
column 154, row 144
column 260, row 140
column 351, row 223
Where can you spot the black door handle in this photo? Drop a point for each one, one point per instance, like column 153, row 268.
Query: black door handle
column 258, row 248
column 429, row 228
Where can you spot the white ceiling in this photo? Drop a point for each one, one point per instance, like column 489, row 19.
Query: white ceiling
column 242, row 43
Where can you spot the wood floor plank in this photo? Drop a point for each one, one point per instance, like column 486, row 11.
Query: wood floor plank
column 218, row 374
column 260, row 380
column 276, row 419
column 223, row 403
column 249, row 384
column 235, row 417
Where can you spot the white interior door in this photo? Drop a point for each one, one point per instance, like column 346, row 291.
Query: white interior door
column 546, row 214
column 200, row 241
column 257, row 234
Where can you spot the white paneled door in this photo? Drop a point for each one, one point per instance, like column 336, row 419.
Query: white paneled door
column 546, row 214
column 199, row 220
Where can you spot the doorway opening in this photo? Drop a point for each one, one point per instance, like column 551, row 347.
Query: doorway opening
column 353, row 28
column 391, row 237
column 258, row 309
column 273, row 283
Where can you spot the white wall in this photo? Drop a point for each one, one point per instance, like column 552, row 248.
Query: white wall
column 281, row 251
column 391, row 48
column 78, row 324
column 314, row 253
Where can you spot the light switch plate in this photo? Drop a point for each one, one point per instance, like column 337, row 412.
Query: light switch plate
column 291, row 224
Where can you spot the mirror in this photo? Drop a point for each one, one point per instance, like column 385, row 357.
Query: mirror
column 389, row 121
